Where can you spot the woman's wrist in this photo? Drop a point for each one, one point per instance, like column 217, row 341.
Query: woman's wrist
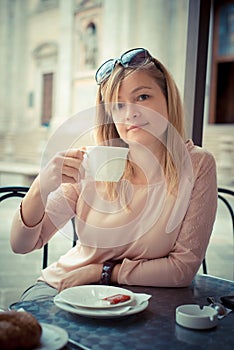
column 115, row 272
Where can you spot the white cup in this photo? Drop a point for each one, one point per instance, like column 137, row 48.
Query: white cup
column 106, row 163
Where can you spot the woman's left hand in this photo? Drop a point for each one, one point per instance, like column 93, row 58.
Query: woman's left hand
column 84, row 275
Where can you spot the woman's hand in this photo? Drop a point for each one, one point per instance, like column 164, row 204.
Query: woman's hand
column 65, row 167
column 84, row 275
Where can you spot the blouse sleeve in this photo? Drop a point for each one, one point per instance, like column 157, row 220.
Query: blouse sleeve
column 60, row 208
column 182, row 263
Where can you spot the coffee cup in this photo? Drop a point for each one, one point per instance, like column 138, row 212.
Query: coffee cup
column 106, row 163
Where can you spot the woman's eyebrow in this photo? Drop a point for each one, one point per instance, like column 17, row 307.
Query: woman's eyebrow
column 138, row 88
column 141, row 87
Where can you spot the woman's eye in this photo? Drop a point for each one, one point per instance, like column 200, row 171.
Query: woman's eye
column 143, row 97
column 120, row 105
column 117, row 106
column 118, row 111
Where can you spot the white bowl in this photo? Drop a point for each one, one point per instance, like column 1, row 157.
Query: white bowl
column 196, row 317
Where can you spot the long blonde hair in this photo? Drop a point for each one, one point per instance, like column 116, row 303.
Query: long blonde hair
column 106, row 132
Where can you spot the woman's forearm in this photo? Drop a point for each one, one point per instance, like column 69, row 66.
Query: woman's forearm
column 33, row 205
column 27, row 222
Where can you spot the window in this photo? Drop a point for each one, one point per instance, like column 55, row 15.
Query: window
column 222, row 87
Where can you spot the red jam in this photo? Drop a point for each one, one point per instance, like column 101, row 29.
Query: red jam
column 117, row 298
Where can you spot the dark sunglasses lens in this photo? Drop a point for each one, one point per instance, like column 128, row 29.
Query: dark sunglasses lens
column 134, row 58
column 104, row 71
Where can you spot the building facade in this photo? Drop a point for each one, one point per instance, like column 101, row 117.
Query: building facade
column 52, row 48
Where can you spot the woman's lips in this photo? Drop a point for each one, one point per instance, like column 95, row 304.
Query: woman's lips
column 135, row 127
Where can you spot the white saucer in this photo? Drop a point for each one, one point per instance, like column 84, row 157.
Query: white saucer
column 52, row 338
column 100, row 313
column 91, row 296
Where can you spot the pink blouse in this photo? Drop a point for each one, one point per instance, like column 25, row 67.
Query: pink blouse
column 160, row 239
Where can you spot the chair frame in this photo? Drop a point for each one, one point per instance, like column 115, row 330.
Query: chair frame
column 13, row 191
column 221, row 192
column 20, row 191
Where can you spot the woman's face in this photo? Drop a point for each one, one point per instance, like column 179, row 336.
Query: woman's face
column 141, row 113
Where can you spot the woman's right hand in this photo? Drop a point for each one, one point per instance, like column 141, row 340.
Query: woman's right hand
column 65, row 167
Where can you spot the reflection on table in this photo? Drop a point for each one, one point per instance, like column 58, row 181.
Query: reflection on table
column 153, row 328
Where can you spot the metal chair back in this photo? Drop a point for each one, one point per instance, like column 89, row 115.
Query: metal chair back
column 7, row 192
column 225, row 195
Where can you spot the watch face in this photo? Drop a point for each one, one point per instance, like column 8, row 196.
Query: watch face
column 108, row 265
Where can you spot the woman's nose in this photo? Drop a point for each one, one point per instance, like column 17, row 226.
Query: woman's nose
column 132, row 112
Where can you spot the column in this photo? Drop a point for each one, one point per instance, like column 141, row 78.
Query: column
column 12, row 68
column 64, row 71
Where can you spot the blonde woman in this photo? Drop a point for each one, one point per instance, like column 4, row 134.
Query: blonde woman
column 151, row 228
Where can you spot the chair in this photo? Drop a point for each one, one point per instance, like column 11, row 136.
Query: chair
column 224, row 195
column 20, row 191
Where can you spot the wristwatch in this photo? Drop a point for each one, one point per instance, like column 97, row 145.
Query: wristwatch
column 106, row 272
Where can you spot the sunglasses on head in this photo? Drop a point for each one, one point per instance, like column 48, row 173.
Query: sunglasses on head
column 134, row 58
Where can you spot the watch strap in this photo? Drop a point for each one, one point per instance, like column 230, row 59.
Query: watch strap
column 106, row 272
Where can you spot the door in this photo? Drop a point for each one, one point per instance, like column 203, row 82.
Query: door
column 47, row 98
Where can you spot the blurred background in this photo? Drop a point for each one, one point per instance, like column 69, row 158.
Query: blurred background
column 50, row 50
